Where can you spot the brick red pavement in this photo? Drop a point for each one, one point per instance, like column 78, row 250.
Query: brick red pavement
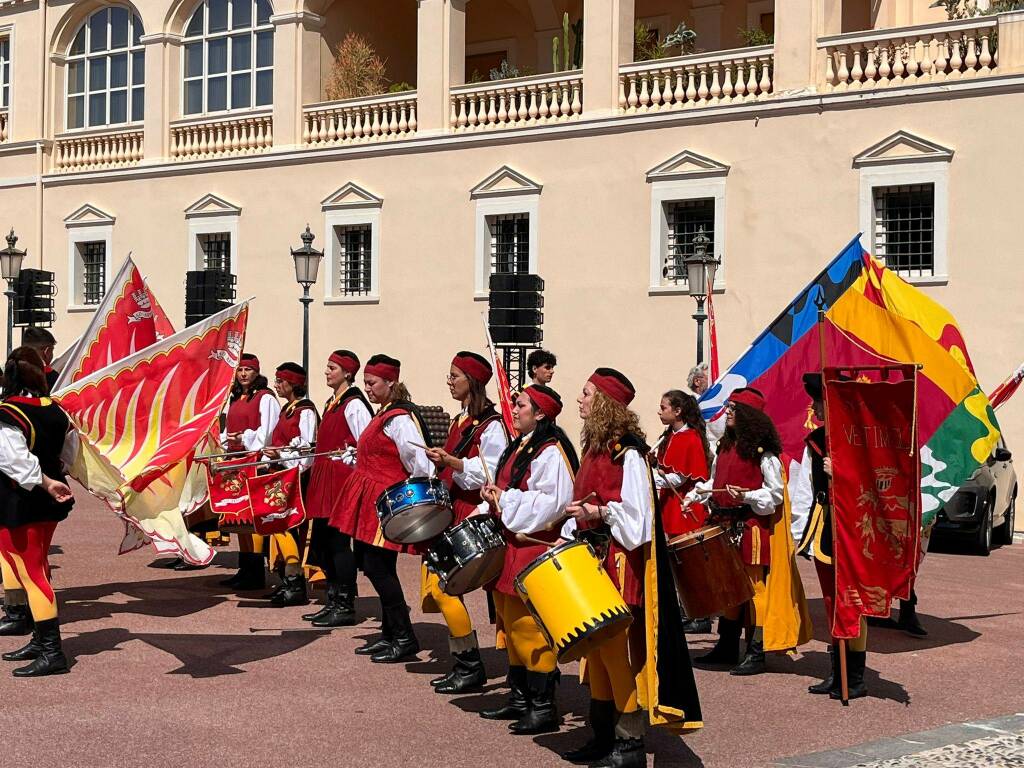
column 170, row 670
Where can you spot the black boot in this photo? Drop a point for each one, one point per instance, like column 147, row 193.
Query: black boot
column 697, row 627
column 628, row 750
column 235, row 579
column 404, row 644
column 254, row 575
column 332, row 595
column 370, row 647
column 292, row 592
column 515, row 707
column 469, row 673
column 909, row 622
column 340, row 611
column 855, row 661
column 51, row 659
column 602, row 719
column 753, row 661
column 17, row 621
column 27, row 652
column 541, row 713
column 831, row 681
column 727, row 649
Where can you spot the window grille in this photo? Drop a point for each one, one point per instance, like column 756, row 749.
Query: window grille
column 229, row 57
column 94, row 271
column 106, row 70
column 216, row 251
column 354, row 259
column 5, row 72
column 685, row 218
column 510, row 243
column 905, row 228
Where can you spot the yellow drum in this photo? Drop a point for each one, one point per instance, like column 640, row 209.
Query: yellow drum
column 573, row 599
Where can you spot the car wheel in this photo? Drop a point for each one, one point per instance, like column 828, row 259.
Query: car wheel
column 1006, row 529
column 983, row 539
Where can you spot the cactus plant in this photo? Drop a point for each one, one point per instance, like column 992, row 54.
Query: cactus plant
column 565, row 41
column 554, row 54
column 577, row 54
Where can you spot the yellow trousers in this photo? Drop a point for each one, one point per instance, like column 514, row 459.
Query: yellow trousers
column 452, row 608
column 525, row 643
column 10, row 578
column 758, row 604
column 284, row 548
column 610, row 674
column 250, row 542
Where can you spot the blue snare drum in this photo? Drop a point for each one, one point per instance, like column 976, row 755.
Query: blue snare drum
column 414, row 510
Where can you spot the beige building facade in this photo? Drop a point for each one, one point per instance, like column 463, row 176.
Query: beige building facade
column 199, row 135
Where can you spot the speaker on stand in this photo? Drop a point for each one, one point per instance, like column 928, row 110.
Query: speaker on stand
column 515, row 319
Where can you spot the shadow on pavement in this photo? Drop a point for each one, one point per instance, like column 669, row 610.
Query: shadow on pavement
column 167, row 598
column 816, row 664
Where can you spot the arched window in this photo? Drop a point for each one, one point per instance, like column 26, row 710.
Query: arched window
column 106, row 70
column 229, row 56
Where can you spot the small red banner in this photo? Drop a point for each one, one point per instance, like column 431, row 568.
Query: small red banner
column 229, row 496
column 276, row 501
column 876, row 490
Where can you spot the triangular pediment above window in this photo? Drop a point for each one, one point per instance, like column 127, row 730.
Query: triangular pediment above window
column 88, row 216
column 505, row 182
column 351, row 196
column 903, row 147
column 687, row 165
column 211, row 205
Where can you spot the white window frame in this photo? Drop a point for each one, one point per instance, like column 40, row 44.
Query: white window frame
column 526, row 204
column 7, row 33
column 678, row 190
column 221, row 223
column 348, row 217
column 934, row 172
column 87, row 232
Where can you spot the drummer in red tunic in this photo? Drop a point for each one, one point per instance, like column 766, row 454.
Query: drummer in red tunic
column 532, row 486
column 346, row 415
column 252, row 414
column 476, row 433
column 390, row 450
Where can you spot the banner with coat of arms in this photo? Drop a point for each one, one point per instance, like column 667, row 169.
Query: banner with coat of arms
column 276, row 501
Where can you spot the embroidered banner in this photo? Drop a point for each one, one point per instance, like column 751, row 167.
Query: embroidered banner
column 276, row 501
column 229, row 496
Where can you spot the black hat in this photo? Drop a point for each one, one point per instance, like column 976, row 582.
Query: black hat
column 813, row 384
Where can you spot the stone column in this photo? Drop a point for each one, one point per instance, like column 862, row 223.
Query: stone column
column 440, row 60
column 607, row 45
column 1011, row 42
column 798, row 25
column 162, row 80
column 296, row 72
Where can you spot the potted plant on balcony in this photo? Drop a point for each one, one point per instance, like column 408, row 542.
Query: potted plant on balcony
column 357, row 72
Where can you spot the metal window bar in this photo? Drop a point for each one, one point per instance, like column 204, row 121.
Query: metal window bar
column 685, row 218
column 216, row 252
column 510, row 243
column 354, row 267
column 94, row 271
column 905, row 228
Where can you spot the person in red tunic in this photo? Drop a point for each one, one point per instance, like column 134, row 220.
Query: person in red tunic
column 476, row 433
column 252, row 414
column 390, row 450
column 532, row 486
column 346, row 415
column 294, row 436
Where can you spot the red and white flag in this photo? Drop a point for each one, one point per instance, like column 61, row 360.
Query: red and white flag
column 712, row 340
column 1006, row 390
column 276, row 501
column 501, row 379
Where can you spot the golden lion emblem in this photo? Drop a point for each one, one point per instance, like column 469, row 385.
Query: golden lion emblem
column 276, row 494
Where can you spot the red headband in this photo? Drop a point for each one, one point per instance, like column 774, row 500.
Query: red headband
column 348, row 364
column 545, row 404
column 747, row 397
column 472, row 368
column 615, row 389
column 292, row 377
column 383, row 370
column 250, row 361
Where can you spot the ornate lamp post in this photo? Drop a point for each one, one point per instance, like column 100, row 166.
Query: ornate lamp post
column 11, row 259
column 700, row 278
column 307, row 262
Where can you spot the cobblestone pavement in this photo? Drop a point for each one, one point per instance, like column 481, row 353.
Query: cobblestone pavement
column 998, row 751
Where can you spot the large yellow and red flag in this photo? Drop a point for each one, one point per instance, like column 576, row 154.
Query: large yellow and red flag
column 128, row 320
column 140, row 421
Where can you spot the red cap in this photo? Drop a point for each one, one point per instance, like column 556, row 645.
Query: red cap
column 387, row 368
column 749, row 397
column 294, row 378
column 249, row 361
column 614, row 384
column 349, row 363
column 546, row 399
column 473, row 365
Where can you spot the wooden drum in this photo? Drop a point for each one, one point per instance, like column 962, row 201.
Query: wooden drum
column 709, row 573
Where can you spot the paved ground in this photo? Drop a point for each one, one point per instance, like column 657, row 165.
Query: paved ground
column 171, row 670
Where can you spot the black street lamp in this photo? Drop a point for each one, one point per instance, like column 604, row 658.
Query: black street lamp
column 700, row 280
column 307, row 262
column 11, row 259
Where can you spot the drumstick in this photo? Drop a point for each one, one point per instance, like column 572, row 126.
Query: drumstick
column 524, row 539
column 561, row 521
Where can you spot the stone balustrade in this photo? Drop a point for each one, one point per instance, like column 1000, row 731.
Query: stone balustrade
column 232, row 136
column 378, row 118
column 682, row 82
column 889, row 58
column 95, row 150
column 516, row 103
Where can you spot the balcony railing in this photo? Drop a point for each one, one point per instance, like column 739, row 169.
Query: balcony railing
column 887, row 58
column 723, row 77
column 521, row 102
column 378, row 118
column 97, row 150
column 203, row 139
column 3, row 126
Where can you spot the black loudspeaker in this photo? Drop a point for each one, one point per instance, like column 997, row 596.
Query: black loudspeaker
column 207, row 292
column 34, row 290
column 514, row 315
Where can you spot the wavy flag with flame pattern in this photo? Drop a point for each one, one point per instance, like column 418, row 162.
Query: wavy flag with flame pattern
column 127, row 321
column 141, row 419
column 872, row 316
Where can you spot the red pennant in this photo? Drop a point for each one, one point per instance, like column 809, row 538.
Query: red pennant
column 276, row 501
column 229, row 495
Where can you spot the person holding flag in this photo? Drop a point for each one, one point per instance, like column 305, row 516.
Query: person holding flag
column 476, row 433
